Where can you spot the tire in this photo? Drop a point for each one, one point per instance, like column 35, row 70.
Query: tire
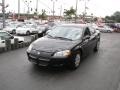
column 97, row 46
column 75, row 63
column 28, row 33
column 13, row 32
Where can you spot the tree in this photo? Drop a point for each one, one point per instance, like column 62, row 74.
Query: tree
column 43, row 15
column 69, row 14
column 115, row 17
column 35, row 13
column 95, row 19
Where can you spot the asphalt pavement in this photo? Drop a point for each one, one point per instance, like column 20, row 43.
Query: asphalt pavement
column 98, row 71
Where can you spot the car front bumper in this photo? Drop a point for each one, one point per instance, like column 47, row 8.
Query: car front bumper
column 48, row 61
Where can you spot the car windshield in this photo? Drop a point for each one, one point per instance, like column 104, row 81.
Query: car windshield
column 66, row 32
column 11, row 26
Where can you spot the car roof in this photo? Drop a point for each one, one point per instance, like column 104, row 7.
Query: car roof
column 75, row 25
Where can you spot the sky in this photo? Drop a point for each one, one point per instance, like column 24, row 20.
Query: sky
column 99, row 8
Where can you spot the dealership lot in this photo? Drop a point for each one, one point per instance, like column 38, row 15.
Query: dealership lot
column 98, row 71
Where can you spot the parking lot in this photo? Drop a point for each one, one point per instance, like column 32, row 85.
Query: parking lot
column 98, row 71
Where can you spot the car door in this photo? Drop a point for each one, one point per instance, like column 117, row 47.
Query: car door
column 86, row 41
column 93, row 38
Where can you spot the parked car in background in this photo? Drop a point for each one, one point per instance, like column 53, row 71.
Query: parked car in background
column 11, row 28
column 105, row 29
column 5, row 35
column 27, row 30
column 64, row 45
column 42, row 29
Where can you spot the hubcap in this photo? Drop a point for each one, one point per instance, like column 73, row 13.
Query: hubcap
column 13, row 31
column 77, row 60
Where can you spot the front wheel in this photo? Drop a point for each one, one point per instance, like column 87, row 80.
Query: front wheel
column 28, row 33
column 97, row 46
column 75, row 62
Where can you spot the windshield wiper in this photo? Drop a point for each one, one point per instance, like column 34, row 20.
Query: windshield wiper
column 63, row 38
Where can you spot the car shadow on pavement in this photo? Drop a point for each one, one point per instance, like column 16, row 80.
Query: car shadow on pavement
column 52, row 70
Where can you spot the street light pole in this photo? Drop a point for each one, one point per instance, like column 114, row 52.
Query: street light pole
column 76, row 11
column 36, row 6
column 3, row 11
column 85, row 11
column 28, row 6
column 60, row 10
column 85, row 8
column 53, row 8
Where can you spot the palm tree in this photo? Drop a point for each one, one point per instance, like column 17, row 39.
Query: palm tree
column 43, row 15
column 69, row 14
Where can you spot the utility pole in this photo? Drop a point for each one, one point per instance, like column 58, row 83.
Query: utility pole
column 18, row 9
column 3, row 11
column 36, row 6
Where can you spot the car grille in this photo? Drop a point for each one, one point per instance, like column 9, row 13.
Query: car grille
column 40, row 57
column 42, row 53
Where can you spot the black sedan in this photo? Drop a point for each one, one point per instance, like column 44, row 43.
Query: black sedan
column 64, row 45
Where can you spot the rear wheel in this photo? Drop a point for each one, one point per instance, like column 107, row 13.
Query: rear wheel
column 14, row 32
column 75, row 62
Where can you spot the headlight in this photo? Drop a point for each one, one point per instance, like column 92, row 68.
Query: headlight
column 62, row 53
column 40, row 31
column 30, row 48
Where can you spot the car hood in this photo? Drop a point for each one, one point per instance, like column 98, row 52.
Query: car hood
column 9, row 28
column 52, row 45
